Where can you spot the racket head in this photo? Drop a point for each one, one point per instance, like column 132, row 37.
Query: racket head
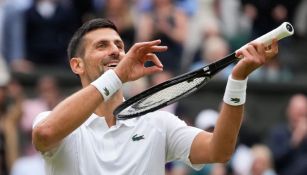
column 160, row 95
column 170, row 91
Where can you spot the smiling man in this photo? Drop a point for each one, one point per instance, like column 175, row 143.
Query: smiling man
column 81, row 135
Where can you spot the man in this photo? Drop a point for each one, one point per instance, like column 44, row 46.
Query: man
column 288, row 141
column 81, row 135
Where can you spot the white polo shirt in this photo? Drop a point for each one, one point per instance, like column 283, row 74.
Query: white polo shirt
column 139, row 146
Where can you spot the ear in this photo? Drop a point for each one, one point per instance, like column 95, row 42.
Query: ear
column 77, row 65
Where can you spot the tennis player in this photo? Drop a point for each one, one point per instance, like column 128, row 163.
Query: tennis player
column 81, row 135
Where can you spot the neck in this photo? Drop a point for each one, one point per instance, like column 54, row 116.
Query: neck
column 106, row 109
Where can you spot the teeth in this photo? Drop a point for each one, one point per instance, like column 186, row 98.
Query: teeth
column 112, row 65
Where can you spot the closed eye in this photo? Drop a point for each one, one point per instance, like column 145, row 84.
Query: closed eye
column 119, row 44
column 102, row 44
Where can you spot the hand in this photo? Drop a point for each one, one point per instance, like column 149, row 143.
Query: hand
column 131, row 67
column 300, row 132
column 254, row 55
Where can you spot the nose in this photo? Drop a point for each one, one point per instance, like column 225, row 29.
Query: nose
column 114, row 51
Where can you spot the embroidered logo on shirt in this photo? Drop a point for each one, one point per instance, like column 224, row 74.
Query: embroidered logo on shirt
column 137, row 138
column 106, row 91
column 235, row 100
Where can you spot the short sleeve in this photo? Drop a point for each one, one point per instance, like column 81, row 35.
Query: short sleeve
column 39, row 118
column 49, row 154
column 179, row 140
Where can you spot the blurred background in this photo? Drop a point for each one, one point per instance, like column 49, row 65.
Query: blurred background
column 35, row 75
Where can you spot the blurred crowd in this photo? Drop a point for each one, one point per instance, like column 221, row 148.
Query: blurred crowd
column 34, row 35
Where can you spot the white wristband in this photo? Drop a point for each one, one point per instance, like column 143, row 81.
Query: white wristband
column 235, row 93
column 107, row 84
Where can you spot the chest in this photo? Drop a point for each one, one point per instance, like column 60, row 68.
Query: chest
column 117, row 146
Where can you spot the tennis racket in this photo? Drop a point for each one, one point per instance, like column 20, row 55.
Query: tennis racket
column 181, row 86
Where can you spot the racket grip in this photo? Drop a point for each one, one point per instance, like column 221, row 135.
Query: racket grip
column 284, row 30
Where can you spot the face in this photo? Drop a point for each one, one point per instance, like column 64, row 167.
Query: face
column 297, row 109
column 103, row 51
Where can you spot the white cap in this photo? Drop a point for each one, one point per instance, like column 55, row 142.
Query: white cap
column 4, row 73
column 206, row 119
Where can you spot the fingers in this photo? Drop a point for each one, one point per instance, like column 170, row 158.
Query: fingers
column 248, row 51
column 157, row 67
column 154, row 59
column 148, row 47
column 273, row 51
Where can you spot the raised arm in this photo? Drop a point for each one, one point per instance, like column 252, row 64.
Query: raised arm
column 219, row 145
column 75, row 110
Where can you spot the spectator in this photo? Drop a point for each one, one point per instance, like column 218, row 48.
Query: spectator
column 29, row 162
column 268, row 14
column 198, row 29
column 48, row 28
column 47, row 97
column 288, row 142
column 167, row 22
column 11, row 36
column 262, row 163
column 214, row 48
column 10, row 113
column 119, row 11
column 300, row 20
column 85, row 10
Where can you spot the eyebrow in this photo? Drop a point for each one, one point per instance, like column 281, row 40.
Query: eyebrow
column 117, row 41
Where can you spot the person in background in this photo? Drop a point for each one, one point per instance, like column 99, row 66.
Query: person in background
column 10, row 114
column 288, row 141
column 48, row 26
column 120, row 12
column 165, row 21
column 262, row 163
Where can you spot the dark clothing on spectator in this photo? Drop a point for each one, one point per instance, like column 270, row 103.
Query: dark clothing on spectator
column 3, row 166
column 47, row 38
column 288, row 160
column 264, row 21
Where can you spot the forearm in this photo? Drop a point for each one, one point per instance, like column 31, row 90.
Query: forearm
column 222, row 141
column 66, row 117
column 226, row 131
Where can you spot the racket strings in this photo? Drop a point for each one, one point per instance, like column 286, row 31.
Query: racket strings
column 164, row 96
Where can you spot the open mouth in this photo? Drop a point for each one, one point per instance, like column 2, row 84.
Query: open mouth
column 112, row 65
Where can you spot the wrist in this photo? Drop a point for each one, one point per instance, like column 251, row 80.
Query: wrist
column 235, row 75
column 119, row 75
column 235, row 92
column 107, row 84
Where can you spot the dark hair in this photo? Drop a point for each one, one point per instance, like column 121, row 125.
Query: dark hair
column 75, row 47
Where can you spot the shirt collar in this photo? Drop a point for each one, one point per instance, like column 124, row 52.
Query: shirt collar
column 129, row 122
column 95, row 121
column 92, row 121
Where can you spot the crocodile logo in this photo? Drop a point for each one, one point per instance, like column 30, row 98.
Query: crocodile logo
column 106, row 91
column 235, row 100
column 137, row 138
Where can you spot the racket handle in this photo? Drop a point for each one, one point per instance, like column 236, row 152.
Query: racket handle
column 284, row 30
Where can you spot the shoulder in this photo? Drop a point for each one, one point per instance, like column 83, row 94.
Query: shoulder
column 40, row 117
column 161, row 116
column 163, row 119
